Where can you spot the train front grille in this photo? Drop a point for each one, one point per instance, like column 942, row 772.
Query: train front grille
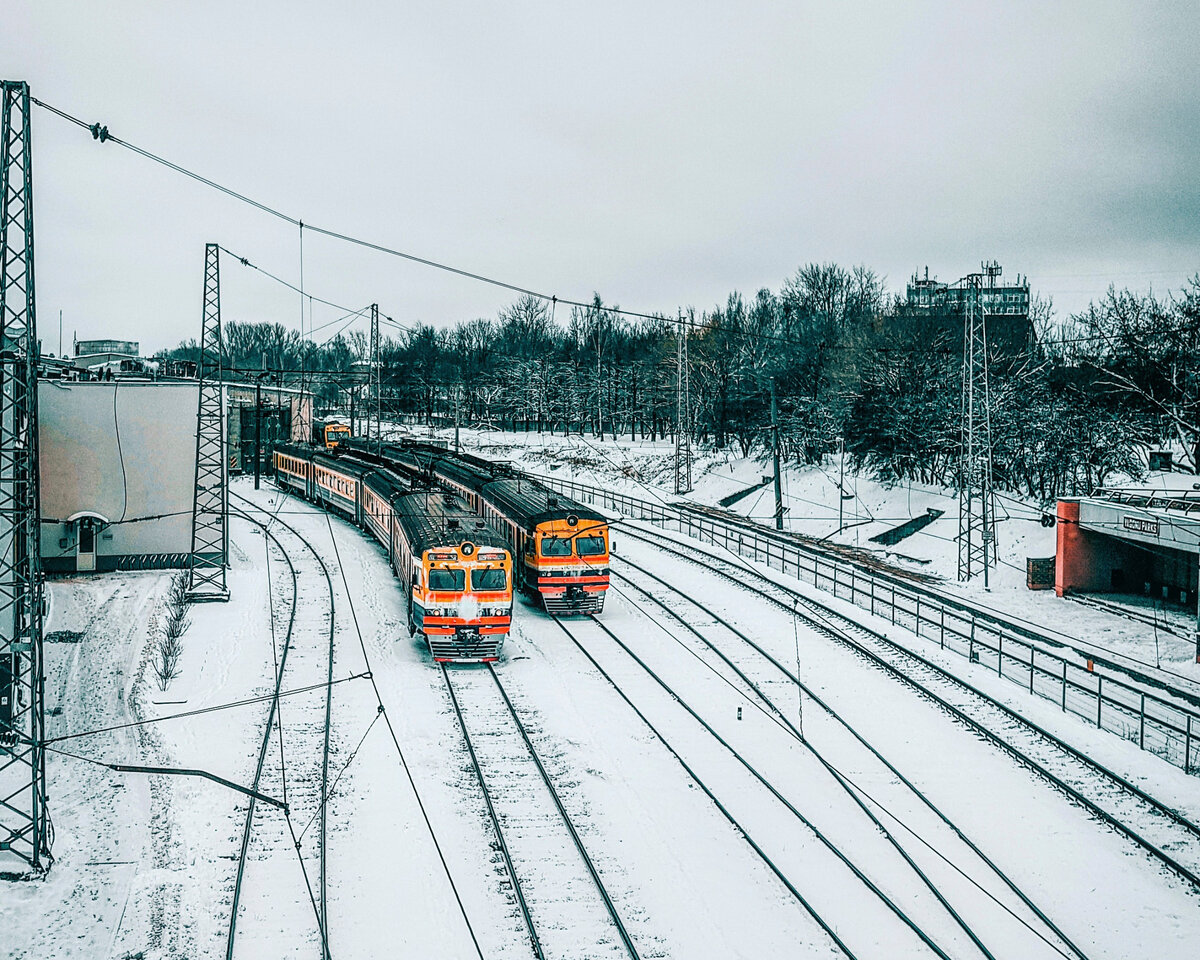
column 465, row 648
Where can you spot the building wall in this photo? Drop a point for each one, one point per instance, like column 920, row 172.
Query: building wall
column 1098, row 552
column 124, row 450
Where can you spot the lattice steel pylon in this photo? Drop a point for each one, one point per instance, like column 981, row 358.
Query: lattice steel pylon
column 376, row 375
column 683, row 412
column 24, row 821
column 976, row 496
column 210, row 503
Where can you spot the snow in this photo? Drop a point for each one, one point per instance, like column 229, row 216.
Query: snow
column 644, row 469
column 146, row 864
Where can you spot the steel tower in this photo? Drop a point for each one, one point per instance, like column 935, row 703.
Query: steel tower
column 210, row 503
column 24, row 824
column 976, row 497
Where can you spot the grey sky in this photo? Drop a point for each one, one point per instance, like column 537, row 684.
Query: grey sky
column 657, row 153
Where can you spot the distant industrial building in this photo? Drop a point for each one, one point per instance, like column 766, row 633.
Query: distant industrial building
column 941, row 308
column 106, row 359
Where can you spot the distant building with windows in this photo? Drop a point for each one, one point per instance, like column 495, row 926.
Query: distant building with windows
column 1009, row 299
column 944, row 307
column 109, row 358
column 127, row 348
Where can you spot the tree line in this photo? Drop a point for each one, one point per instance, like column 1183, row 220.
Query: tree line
column 1074, row 401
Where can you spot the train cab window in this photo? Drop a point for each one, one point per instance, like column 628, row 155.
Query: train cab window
column 489, row 580
column 443, row 578
column 589, row 546
column 556, row 547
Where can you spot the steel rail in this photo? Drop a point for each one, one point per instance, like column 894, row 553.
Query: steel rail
column 266, row 744
column 534, row 942
column 817, row 618
column 323, row 916
column 745, row 835
column 845, row 724
column 1114, row 661
column 774, row 791
column 562, row 811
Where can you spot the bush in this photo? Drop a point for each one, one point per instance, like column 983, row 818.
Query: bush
column 170, row 639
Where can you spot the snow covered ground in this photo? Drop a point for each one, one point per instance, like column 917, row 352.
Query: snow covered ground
column 146, row 864
column 811, row 496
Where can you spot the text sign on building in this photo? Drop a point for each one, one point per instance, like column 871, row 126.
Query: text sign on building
column 1138, row 525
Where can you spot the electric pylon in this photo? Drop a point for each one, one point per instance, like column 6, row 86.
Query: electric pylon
column 376, row 371
column 210, row 503
column 976, row 497
column 24, row 824
column 683, row 436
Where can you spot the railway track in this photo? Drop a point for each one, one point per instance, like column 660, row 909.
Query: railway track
column 555, row 881
column 1160, row 831
column 301, row 776
column 938, row 850
column 826, row 879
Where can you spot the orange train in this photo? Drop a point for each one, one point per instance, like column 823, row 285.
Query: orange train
column 560, row 547
column 456, row 569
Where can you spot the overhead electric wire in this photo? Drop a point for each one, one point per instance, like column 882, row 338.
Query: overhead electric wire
column 102, row 134
column 395, row 739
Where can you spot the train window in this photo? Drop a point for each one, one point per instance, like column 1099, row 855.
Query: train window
column 483, row 579
column 555, row 547
column 589, row 546
column 447, row 578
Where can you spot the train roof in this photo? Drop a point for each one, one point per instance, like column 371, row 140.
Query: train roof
column 434, row 518
column 528, row 502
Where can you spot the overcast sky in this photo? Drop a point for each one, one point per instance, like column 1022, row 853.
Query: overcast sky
column 657, row 153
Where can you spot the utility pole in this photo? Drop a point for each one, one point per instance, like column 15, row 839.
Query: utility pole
column 976, row 497
column 210, row 502
column 775, row 452
column 683, row 438
column 375, row 370
column 257, row 429
column 24, row 822
column 457, row 398
column 841, row 482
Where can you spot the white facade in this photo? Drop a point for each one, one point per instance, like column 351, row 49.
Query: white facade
column 117, row 462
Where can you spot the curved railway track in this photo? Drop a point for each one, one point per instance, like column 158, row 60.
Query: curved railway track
column 305, row 739
column 548, row 907
column 1154, row 826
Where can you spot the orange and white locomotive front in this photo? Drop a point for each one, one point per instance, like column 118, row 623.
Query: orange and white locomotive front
column 569, row 564
column 463, row 603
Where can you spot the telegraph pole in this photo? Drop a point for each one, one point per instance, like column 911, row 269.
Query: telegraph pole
column 210, row 502
column 775, row 452
column 24, row 822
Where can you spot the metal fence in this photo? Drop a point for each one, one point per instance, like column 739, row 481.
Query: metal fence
column 1168, row 728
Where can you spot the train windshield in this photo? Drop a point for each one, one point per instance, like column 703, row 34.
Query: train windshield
column 447, row 578
column 493, row 579
column 556, row 547
column 589, row 546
